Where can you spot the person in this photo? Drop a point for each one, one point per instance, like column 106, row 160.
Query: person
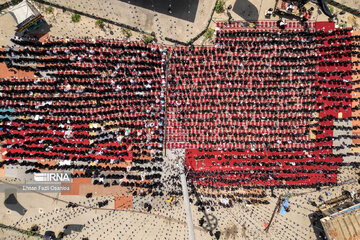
column 269, row 13
column 217, row 235
column 290, row 7
column 282, row 24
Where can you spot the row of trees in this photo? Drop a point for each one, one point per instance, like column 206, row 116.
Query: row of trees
column 353, row 11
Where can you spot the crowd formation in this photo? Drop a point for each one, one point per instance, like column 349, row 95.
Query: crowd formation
column 260, row 107
column 257, row 108
column 96, row 105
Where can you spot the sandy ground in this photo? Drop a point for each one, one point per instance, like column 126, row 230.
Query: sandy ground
column 7, row 28
column 11, row 235
column 145, row 19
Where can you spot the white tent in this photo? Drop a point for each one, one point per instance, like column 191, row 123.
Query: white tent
column 22, row 11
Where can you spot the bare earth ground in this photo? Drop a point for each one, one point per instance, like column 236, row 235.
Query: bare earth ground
column 145, row 19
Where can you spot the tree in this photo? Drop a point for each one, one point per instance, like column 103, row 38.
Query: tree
column 75, row 18
column 99, row 23
column 219, row 8
column 147, row 39
column 60, row 235
column 49, row 10
column 209, row 33
column 34, row 228
column 127, row 32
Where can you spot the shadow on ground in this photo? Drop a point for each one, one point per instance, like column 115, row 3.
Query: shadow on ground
column 37, row 31
column 246, row 10
column 72, row 227
column 12, row 204
column 42, row 30
column 183, row 9
column 316, row 224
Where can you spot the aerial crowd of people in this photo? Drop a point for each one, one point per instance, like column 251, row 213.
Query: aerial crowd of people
column 93, row 105
column 258, row 108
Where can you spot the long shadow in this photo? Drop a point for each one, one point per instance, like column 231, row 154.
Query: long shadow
column 246, row 10
column 72, row 227
column 183, row 9
column 42, row 30
column 316, row 224
column 38, row 30
column 325, row 8
column 210, row 222
column 12, row 204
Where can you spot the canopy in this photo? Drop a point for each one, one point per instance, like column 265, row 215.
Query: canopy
column 22, row 11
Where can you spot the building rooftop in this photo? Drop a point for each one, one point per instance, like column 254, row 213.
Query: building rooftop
column 25, row 14
column 343, row 224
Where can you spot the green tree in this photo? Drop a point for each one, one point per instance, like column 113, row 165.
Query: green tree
column 49, row 10
column 220, row 6
column 34, row 228
column 99, row 23
column 209, row 33
column 147, row 39
column 127, row 32
column 75, row 18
